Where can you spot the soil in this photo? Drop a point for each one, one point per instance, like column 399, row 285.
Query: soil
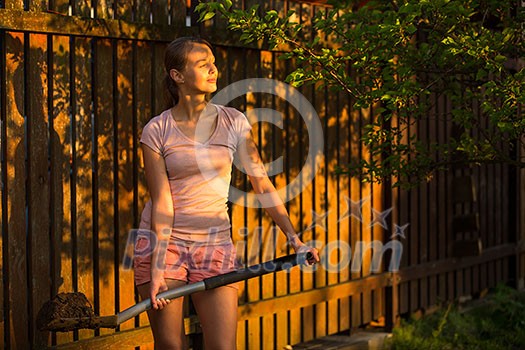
column 66, row 312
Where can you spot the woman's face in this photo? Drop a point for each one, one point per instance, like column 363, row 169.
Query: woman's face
column 200, row 73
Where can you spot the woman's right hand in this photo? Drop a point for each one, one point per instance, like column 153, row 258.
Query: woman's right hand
column 158, row 285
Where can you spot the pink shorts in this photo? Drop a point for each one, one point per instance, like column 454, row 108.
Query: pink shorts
column 189, row 259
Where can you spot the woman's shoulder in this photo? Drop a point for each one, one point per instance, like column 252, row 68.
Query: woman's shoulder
column 160, row 119
column 158, row 122
column 233, row 115
column 231, row 112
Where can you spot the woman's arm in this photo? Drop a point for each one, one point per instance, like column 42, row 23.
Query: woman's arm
column 265, row 190
column 161, row 219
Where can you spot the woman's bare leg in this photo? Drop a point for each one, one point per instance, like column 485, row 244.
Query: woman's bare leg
column 167, row 324
column 217, row 311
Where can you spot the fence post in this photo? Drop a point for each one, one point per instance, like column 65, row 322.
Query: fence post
column 392, row 302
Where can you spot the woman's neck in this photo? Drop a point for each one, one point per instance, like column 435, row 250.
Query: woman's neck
column 190, row 107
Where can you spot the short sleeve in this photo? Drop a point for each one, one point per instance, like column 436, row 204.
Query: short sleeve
column 243, row 127
column 152, row 136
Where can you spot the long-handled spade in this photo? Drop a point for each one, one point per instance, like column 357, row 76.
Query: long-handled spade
column 70, row 311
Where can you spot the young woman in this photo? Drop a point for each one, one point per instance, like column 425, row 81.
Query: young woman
column 188, row 173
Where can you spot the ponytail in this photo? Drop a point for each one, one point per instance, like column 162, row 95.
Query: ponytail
column 171, row 92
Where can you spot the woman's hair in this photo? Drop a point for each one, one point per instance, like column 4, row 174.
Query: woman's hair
column 175, row 58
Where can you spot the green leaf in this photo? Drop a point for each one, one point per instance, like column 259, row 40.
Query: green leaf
column 207, row 16
column 500, row 58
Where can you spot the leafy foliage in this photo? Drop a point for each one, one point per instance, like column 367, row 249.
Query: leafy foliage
column 399, row 58
column 495, row 324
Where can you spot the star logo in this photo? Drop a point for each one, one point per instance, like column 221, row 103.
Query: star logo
column 379, row 218
column 353, row 209
column 318, row 220
column 399, row 231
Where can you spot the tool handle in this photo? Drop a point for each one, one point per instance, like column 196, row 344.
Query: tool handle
column 278, row 264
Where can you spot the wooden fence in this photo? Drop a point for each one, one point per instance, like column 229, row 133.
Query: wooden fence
column 80, row 78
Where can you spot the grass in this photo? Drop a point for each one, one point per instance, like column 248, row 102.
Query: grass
column 497, row 322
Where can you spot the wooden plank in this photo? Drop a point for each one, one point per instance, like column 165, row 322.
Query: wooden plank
column 465, row 223
column 498, row 204
column 423, row 211
column 378, row 234
column 178, row 11
column 83, row 8
column 359, row 200
column 466, row 282
column 104, row 9
column 82, row 215
column 38, row 189
column 14, row 4
column 313, row 296
column 61, row 150
column 293, row 139
column 332, row 196
column 121, row 340
column 158, row 73
column 507, row 268
column 142, row 11
column 414, row 246
column 434, row 226
column 321, row 212
column 307, row 207
column 381, row 221
column 82, row 24
column 475, row 288
column 160, row 12
column 344, row 135
column 226, row 58
column 508, row 201
column 281, row 142
column 402, row 206
column 366, row 230
column 466, row 247
column 442, row 217
column 445, row 108
column 492, row 210
column 485, row 208
column 103, row 181
column 38, row 5
column 448, row 265
column 124, row 141
column 3, row 194
column 142, row 105
column 491, row 274
column 60, row 6
column 372, row 304
column 498, row 273
column 267, row 150
column 15, row 239
column 254, row 239
column 309, row 313
column 124, row 10
column 463, row 190
column 142, row 335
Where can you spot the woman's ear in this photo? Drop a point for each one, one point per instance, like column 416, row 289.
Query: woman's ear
column 176, row 76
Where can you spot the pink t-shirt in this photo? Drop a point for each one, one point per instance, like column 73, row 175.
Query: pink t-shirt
column 199, row 174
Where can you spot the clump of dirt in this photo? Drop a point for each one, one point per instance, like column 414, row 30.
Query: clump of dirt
column 66, row 312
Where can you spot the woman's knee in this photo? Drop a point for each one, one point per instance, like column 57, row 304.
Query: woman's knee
column 170, row 344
